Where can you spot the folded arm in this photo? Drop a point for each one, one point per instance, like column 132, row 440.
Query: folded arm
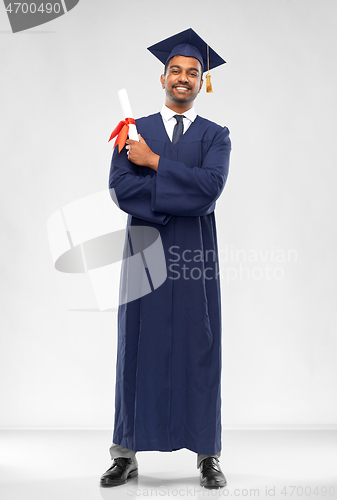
column 175, row 189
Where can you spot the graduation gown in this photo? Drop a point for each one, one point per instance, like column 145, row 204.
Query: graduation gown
column 168, row 373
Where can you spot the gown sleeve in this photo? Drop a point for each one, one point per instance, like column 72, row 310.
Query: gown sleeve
column 132, row 192
column 184, row 191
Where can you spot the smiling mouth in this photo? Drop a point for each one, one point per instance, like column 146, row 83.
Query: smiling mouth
column 181, row 88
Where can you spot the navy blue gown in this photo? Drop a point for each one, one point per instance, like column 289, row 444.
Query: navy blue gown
column 168, row 373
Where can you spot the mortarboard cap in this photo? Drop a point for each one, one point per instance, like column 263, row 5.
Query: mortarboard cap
column 187, row 43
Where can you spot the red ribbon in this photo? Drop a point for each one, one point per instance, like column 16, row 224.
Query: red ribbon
column 122, row 131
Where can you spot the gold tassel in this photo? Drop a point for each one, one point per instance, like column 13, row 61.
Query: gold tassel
column 208, row 83
column 208, row 76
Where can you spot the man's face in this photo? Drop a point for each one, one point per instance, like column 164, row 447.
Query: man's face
column 183, row 79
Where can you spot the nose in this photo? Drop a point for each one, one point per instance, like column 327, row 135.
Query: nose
column 183, row 76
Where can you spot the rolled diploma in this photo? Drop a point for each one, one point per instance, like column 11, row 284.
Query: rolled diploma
column 127, row 113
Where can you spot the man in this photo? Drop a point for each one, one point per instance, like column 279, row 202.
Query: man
column 168, row 376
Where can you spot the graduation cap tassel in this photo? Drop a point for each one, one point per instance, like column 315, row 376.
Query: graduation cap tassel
column 208, row 76
column 208, row 83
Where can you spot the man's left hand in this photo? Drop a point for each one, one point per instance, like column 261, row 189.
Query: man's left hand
column 140, row 153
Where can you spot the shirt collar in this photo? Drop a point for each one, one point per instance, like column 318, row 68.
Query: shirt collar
column 167, row 113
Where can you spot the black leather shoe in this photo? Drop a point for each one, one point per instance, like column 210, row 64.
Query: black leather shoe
column 121, row 470
column 211, row 475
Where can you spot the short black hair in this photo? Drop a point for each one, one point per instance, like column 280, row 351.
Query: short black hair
column 167, row 64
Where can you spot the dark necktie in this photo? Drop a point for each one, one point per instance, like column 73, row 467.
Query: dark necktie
column 178, row 128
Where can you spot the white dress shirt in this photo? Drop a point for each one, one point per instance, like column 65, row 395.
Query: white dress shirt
column 169, row 122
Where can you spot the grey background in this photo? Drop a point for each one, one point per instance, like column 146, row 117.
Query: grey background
column 277, row 95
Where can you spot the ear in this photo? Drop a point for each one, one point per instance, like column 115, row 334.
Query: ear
column 201, row 82
column 162, row 80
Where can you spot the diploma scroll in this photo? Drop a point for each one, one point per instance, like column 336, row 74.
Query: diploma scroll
column 127, row 113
